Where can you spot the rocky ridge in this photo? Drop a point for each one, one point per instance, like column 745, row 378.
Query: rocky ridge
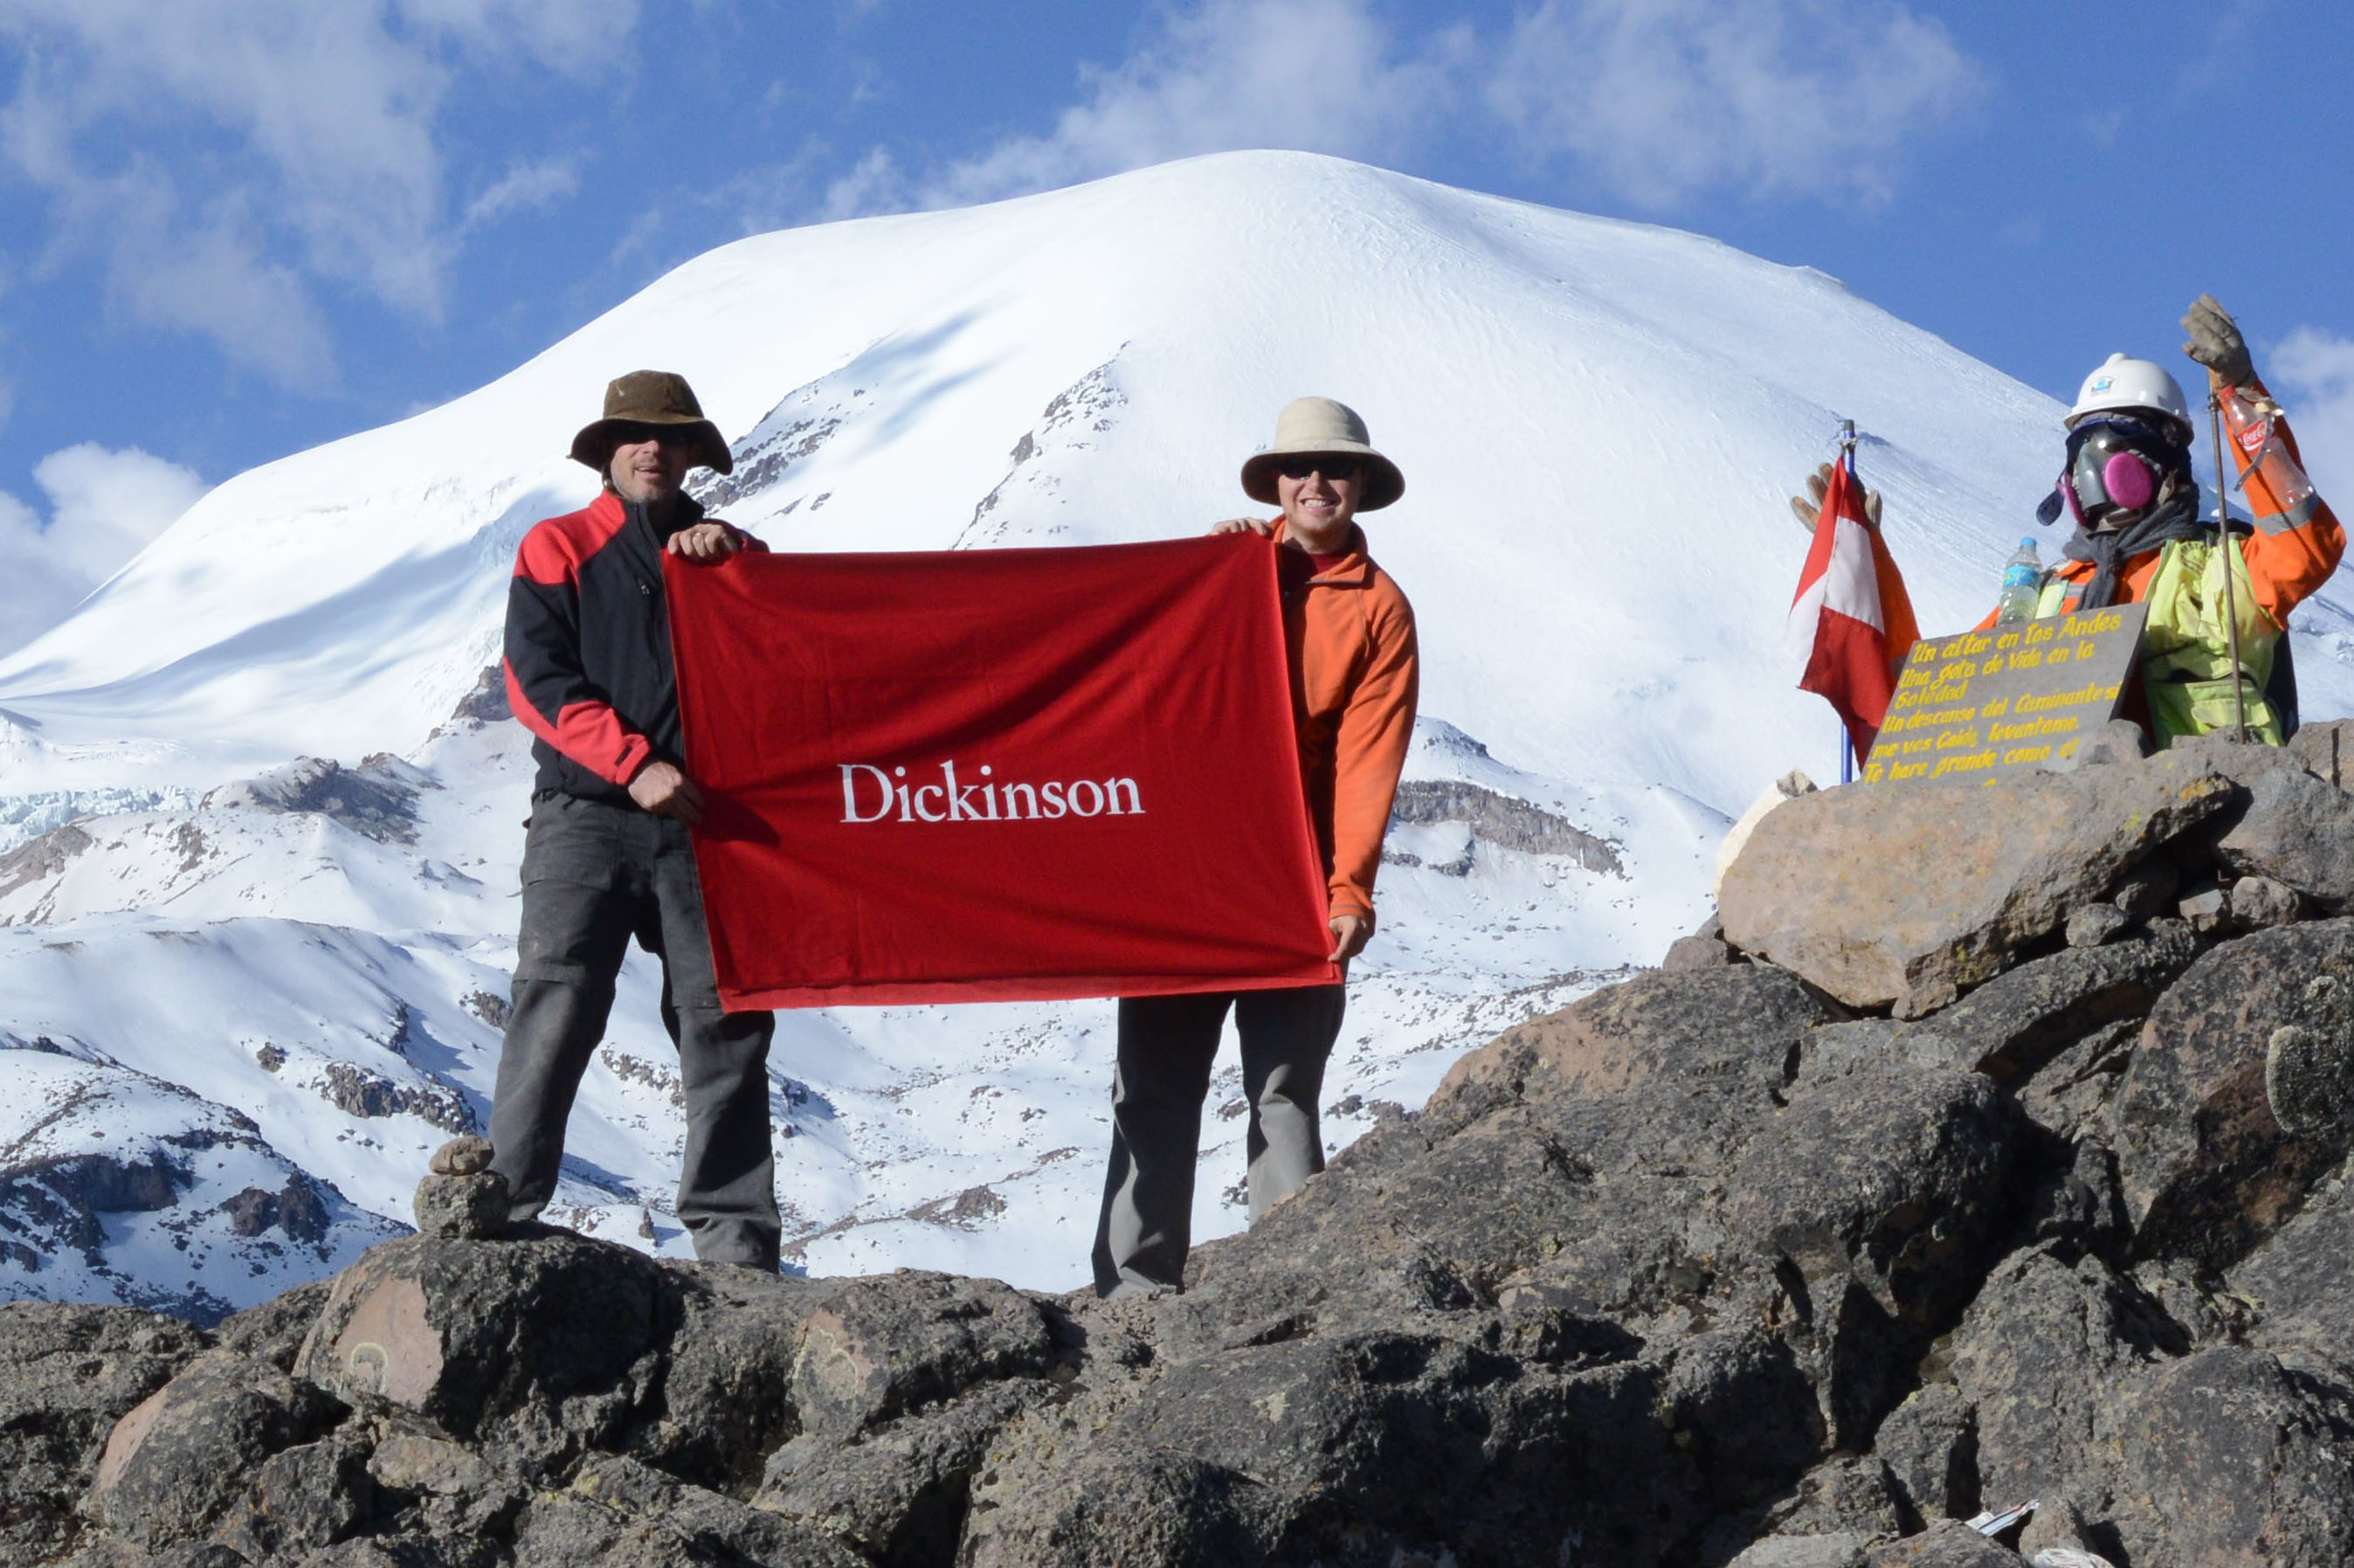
column 1991, row 1148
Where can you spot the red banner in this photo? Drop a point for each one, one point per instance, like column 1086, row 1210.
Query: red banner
column 997, row 775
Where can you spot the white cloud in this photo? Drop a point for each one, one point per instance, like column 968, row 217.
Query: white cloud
column 36, row 590
column 578, row 38
column 1657, row 99
column 2312, row 372
column 104, row 508
column 1321, row 76
column 222, row 157
column 532, row 186
column 873, row 185
column 1660, row 99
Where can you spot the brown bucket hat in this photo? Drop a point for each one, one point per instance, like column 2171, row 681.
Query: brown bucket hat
column 1319, row 425
column 650, row 397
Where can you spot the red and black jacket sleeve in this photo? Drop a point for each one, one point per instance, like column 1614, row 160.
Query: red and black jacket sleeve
column 549, row 682
column 588, row 645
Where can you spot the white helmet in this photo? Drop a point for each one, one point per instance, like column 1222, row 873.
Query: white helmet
column 2122, row 383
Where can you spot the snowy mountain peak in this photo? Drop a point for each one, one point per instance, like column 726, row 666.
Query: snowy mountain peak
column 264, row 811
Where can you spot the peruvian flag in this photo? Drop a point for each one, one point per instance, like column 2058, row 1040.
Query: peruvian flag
column 1851, row 620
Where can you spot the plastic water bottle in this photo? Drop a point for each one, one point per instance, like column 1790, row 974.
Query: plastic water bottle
column 2022, row 584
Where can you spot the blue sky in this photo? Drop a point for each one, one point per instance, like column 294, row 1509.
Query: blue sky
column 235, row 228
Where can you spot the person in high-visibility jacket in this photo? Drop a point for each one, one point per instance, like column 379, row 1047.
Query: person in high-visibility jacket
column 2127, row 482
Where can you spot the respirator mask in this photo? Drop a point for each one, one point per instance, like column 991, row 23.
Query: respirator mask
column 2116, row 466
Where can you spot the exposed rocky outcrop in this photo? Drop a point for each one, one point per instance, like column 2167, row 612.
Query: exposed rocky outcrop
column 41, row 858
column 1501, row 820
column 1727, row 1263
column 362, row 1091
column 377, row 798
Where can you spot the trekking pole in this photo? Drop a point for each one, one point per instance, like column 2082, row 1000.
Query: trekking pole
column 2223, row 529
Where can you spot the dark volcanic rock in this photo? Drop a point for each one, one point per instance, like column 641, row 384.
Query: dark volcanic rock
column 2039, row 1360
column 1744, row 1023
column 538, row 1343
column 1880, row 1192
column 1946, row 1544
column 876, row 1348
column 2258, row 902
column 187, row 1454
column 1334, row 1448
column 274, row 1331
column 1698, row 951
column 1840, row 1549
column 1844, row 1496
column 2119, row 740
column 2326, row 750
column 1930, row 1445
column 2095, row 924
column 897, row 1494
column 1703, row 1269
column 2148, row 888
column 68, row 1373
column 727, row 1397
column 619, row 1511
column 2205, row 908
column 2237, row 1460
column 301, row 1500
column 2297, row 831
column 473, row 1206
column 2016, row 1022
column 2302, row 1282
column 2207, row 1170
column 2070, row 1094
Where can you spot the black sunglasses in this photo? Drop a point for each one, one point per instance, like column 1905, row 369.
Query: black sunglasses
column 1306, row 463
column 668, row 435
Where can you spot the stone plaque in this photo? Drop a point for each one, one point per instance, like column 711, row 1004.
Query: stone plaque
column 2023, row 695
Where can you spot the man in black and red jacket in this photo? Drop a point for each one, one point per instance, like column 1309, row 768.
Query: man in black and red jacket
column 606, row 855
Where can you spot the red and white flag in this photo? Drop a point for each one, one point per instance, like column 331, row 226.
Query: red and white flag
column 1851, row 620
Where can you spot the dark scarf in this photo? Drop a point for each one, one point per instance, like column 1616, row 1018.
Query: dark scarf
column 2175, row 515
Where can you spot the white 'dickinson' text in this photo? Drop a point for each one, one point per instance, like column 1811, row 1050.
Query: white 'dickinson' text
column 872, row 794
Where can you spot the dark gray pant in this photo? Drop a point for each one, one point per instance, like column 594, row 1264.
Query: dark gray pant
column 1167, row 1044
column 594, row 875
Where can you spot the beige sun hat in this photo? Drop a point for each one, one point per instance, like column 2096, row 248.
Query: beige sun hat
column 650, row 397
column 1320, row 425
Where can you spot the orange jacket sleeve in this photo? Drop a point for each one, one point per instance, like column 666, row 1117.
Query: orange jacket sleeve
column 1369, row 751
column 2295, row 548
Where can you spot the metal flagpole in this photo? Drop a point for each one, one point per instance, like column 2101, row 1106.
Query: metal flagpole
column 2223, row 530
column 1847, row 460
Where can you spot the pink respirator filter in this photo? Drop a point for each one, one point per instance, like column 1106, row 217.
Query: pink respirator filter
column 2128, row 480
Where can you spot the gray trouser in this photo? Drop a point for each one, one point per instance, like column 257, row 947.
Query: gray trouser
column 594, row 875
column 1167, row 1044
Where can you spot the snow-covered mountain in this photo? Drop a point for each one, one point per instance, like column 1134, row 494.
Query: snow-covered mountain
column 256, row 921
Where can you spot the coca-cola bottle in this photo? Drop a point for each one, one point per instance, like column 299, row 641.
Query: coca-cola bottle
column 2273, row 481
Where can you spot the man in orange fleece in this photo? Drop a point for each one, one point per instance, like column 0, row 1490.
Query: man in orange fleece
column 1350, row 633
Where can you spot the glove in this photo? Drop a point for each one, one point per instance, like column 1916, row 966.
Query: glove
column 2215, row 342
column 1809, row 511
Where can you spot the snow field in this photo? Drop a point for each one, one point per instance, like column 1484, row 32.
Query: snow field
column 1598, row 421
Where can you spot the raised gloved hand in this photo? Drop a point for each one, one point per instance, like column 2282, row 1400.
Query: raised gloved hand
column 1810, row 509
column 2215, row 342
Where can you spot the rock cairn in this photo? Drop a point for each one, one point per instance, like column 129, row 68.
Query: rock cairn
column 1991, row 1147
column 461, row 1196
